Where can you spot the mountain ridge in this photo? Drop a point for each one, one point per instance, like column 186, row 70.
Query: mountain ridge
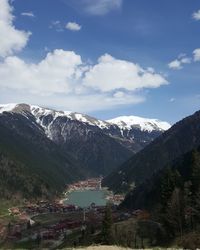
column 129, row 120
column 99, row 145
column 179, row 139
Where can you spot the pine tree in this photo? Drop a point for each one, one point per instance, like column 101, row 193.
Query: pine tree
column 175, row 213
column 196, row 209
column 195, row 175
column 106, row 232
column 170, row 180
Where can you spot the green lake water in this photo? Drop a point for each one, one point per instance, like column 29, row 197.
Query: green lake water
column 86, row 197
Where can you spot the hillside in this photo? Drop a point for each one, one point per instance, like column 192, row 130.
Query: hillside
column 31, row 164
column 172, row 197
column 149, row 194
column 178, row 140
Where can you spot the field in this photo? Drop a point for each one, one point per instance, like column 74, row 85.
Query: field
column 45, row 219
column 5, row 218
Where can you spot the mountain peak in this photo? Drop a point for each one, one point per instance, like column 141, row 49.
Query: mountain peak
column 145, row 124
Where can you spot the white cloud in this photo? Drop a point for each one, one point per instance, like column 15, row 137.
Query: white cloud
column 196, row 15
column 178, row 63
column 11, row 39
column 63, row 71
column 57, row 73
column 196, row 54
column 110, row 73
column 28, row 14
column 62, row 76
column 73, row 26
column 183, row 59
column 102, row 7
column 56, row 25
column 186, row 60
column 80, row 103
column 95, row 7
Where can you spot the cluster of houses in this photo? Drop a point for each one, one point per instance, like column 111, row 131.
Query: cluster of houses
column 115, row 198
column 93, row 215
column 90, row 184
column 60, row 228
column 46, row 207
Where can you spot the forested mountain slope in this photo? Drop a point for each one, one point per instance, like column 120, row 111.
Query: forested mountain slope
column 178, row 140
column 30, row 163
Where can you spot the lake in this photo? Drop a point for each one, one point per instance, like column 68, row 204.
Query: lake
column 84, row 198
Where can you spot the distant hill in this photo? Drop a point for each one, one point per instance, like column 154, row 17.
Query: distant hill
column 178, row 140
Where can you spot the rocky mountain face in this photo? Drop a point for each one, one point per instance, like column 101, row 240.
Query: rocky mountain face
column 178, row 140
column 99, row 145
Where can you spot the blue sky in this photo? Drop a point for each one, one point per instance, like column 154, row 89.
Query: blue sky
column 115, row 57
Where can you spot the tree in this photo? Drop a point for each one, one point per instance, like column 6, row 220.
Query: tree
column 38, row 238
column 9, row 228
column 28, row 225
column 195, row 175
column 106, row 232
column 175, row 213
column 189, row 209
column 170, row 180
column 195, row 210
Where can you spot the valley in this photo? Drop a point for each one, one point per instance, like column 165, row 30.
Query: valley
column 99, row 124
column 55, row 148
column 57, row 201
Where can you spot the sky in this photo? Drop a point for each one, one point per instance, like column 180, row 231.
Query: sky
column 106, row 58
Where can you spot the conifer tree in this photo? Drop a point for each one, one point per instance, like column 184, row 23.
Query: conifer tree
column 175, row 213
column 106, row 232
column 195, row 175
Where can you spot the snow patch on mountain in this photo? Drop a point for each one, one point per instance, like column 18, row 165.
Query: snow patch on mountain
column 7, row 107
column 123, row 122
column 39, row 112
column 144, row 124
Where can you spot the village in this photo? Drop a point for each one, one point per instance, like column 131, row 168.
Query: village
column 53, row 223
column 89, row 184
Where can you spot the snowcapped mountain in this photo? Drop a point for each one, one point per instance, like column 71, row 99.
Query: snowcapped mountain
column 38, row 112
column 123, row 122
column 144, row 124
column 99, row 145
